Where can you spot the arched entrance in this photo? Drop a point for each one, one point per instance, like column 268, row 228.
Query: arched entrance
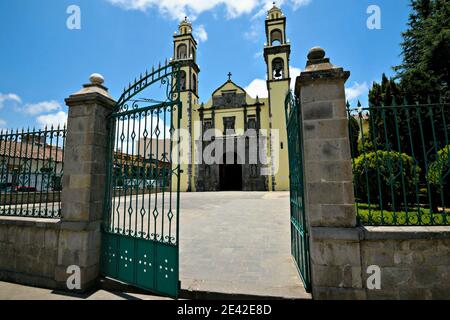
column 230, row 175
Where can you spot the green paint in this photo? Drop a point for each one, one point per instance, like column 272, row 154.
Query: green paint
column 299, row 229
column 142, row 200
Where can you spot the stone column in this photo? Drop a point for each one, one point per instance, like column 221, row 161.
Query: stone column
column 84, row 182
column 330, row 206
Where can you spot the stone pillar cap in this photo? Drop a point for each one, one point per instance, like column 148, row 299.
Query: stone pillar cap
column 317, row 60
column 96, row 78
column 95, row 86
column 319, row 67
column 316, row 53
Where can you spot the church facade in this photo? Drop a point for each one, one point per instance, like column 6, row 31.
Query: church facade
column 236, row 142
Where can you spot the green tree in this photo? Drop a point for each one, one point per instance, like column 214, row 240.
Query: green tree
column 423, row 77
column 424, row 71
column 354, row 136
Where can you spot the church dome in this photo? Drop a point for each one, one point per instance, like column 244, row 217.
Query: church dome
column 185, row 27
column 274, row 13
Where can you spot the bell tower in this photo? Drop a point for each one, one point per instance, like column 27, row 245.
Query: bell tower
column 276, row 54
column 185, row 53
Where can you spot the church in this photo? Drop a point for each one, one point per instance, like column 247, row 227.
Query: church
column 251, row 132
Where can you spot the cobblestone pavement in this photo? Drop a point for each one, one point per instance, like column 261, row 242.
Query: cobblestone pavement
column 238, row 243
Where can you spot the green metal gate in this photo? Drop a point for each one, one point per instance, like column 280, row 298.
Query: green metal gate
column 140, row 239
column 299, row 228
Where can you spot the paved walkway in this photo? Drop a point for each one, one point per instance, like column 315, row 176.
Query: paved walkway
column 232, row 243
column 238, row 243
column 10, row 291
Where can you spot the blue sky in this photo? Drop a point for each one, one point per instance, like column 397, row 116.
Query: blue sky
column 42, row 61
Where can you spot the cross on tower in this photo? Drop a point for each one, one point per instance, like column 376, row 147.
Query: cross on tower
column 229, row 76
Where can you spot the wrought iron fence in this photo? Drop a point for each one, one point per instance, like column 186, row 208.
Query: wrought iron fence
column 299, row 227
column 31, row 169
column 401, row 163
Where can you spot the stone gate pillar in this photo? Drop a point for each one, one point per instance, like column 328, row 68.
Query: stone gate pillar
column 335, row 250
column 84, row 182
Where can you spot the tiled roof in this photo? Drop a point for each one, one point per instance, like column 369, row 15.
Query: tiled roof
column 13, row 149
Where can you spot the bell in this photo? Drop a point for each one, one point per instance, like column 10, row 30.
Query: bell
column 278, row 73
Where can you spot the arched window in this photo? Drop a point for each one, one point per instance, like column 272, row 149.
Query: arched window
column 182, row 51
column 183, row 80
column 194, row 83
column 278, row 68
column 276, row 37
column 193, row 53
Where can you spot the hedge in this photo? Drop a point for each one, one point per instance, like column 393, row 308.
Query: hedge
column 386, row 178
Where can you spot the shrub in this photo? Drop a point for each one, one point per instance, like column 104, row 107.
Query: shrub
column 367, row 146
column 387, row 178
column 354, row 136
column 438, row 177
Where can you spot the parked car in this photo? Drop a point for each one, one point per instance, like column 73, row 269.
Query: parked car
column 24, row 189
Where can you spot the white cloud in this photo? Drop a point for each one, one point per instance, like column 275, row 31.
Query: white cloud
column 257, row 87
column 294, row 73
column 178, row 9
column 2, row 123
column 200, row 33
column 9, row 98
column 356, row 91
column 300, row 3
column 41, row 107
column 253, row 34
column 258, row 55
column 59, row 118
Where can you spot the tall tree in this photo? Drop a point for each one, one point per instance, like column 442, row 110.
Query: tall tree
column 424, row 71
column 422, row 75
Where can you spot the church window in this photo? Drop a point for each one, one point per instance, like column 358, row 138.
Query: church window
column 229, row 125
column 194, row 83
column 182, row 51
column 278, row 68
column 251, row 122
column 207, row 124
column 183, row 80
column 276, row 38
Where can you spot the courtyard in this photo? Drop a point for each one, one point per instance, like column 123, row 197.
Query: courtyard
column 238, row 243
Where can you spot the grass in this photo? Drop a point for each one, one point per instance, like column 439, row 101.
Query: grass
column 373, row 215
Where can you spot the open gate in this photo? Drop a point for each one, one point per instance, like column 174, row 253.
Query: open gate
column 299, row 227
column 140, row 234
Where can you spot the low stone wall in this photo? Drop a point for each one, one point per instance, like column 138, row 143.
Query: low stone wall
column 29, row 250
column 414, row 261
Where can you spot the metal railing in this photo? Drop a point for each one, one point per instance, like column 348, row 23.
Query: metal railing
column 401, row 163
column 31, row 169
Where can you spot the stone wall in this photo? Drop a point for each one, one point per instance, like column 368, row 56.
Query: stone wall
column 39, row 251
column 414, row 261
column 28, row 250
